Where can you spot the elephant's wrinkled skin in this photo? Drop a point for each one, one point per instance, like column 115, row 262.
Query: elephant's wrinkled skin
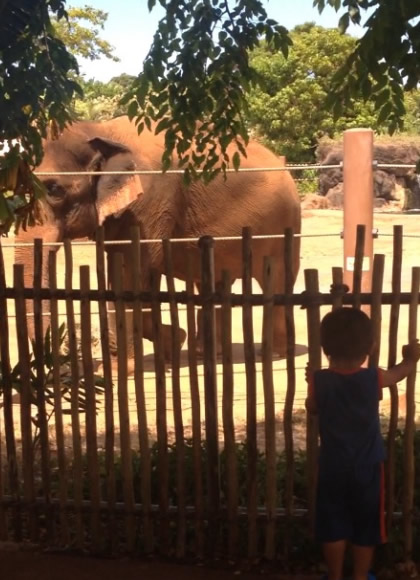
column 162, row 205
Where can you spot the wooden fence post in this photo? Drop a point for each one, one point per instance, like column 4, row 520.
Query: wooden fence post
column 251, row 392
column 210, row 386
column 13, row 478
column 291, row 387
column 410, row 427
column 392, row 359
column 314, row 356
column 358, row 200
column 142, row 420
column 177, row 401
column 195, row 411
column 269, row 407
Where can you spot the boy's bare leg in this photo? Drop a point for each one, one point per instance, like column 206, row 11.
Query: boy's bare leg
column 362, row 561
column 334, row 558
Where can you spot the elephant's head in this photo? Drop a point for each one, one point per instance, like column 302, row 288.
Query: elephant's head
column 75, row 205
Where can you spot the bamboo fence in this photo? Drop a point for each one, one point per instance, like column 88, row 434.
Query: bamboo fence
column 166, row 496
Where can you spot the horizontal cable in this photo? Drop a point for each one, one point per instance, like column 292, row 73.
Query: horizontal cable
column 394, row 165
column 297, row 167
column 172, row 240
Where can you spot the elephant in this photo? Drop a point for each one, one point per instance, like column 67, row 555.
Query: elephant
column 163, row 206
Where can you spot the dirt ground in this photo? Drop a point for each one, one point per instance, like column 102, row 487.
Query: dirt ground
column 30, row 565
column 321, row 249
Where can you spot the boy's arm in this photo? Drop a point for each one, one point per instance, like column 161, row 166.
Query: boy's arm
column 411, row 354
column 310, row 402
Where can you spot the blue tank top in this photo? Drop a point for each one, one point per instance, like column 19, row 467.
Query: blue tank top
column 348, row 411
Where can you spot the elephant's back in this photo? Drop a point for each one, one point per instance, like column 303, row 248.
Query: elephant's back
column 267, row 201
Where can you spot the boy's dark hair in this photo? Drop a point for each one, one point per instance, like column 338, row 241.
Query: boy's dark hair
column 346, row 333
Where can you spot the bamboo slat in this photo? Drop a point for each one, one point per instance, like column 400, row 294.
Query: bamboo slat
column 40, row 383
column 195, row 413
column 74, row 402
column 108, row 392
column 376, row 306
column 177, row 401
column 90, row 407
column 269, row 408
column 291, row 389
column 397, row 257
column 145, row 463
column 210, row 389
column 26, row 401
column 123, row 407
column 337, row 288
column 251, row 392
column 12, row 469
column 58, row 411
column 410, row 427
column 161, row 420
column 314, row 357
column 358, row 265
column 3, row 516
column 228, row 418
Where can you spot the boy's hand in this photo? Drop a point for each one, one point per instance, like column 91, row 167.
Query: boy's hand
column 411, row 351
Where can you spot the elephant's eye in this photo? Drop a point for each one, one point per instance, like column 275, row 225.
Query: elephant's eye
column 54, row 189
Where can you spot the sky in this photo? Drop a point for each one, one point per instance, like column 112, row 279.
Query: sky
column 130, row 28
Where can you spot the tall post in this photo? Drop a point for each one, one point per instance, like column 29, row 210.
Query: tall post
column 358, row 201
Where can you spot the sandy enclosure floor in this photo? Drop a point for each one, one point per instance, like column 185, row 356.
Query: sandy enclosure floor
column 317, row 251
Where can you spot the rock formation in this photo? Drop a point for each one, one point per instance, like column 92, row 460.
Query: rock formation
column 398, row 187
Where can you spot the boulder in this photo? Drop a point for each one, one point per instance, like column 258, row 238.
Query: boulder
column 335, row 196
column 314, row 201
column 398, row 186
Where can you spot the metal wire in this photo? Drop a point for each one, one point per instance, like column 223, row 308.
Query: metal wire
column 174, row 240
column 296, row 167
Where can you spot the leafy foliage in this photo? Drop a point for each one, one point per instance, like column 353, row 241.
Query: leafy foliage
column 66, row 378
column 83, row 40
column 36, row 88
column 288, row 109
column 385, row 60
column 39, row 80
column 195, row 78
column 102, row 101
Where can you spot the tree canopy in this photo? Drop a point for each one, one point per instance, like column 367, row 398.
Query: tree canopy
column 196, row 77
column 39, row 81
column 288, row 107
column 80, row 32
column 198, row 70
column 102, row 101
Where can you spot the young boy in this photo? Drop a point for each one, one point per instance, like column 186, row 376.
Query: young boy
column 346, row 398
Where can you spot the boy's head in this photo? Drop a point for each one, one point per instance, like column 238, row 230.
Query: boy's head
column 346, row 333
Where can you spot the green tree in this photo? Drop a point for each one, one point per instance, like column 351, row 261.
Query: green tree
column 195, row 78
column 412, row 117
column 80, row 32
column 39, row 45
column 36, row 89
column 288, row 108
column 385, row 60
column 102, row 101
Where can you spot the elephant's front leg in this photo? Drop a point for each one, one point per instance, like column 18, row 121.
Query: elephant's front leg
column 149, row 329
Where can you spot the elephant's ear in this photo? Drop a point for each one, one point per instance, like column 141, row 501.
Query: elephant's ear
column 114, row 192
column 107, row 147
